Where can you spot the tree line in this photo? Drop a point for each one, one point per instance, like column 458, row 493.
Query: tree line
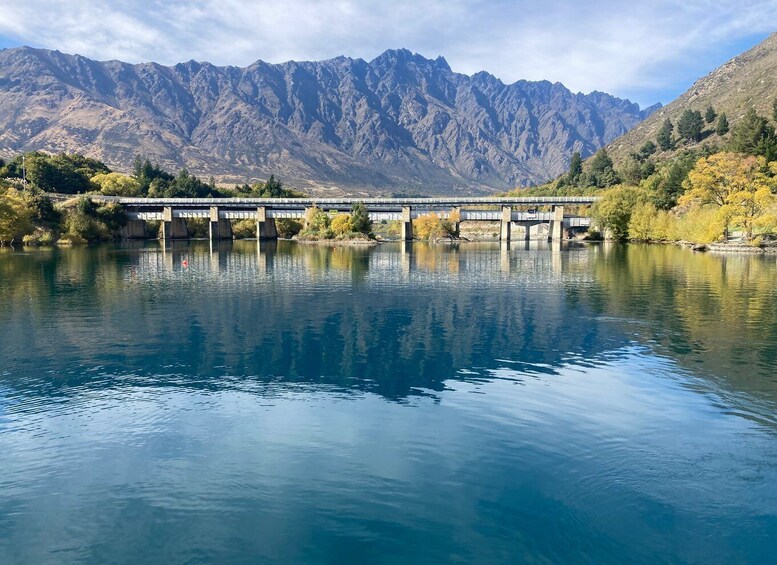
column 27, row 213
column 698, row 180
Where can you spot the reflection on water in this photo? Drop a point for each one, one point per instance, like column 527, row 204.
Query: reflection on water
column 247, row 402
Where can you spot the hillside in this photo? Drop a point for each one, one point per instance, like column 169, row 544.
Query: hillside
column 748, row 80
column 400, row 122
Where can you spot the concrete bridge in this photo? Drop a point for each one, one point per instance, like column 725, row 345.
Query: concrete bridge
column 519, row 212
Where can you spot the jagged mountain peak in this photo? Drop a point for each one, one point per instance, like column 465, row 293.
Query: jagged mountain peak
column 398, row 122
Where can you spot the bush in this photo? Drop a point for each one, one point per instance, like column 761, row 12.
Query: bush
column 287, row 227
column 341, row 224
column 244, row 229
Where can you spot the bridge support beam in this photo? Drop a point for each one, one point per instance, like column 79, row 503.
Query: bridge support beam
column 557, row 224
column 134, row 229
column 265, row 226
column 172, row 228
column 406, row 231
column 220, row 228
column 506, row 222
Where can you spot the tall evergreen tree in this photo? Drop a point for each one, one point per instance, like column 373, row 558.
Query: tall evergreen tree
column 575, row 168
column 721, row 128
column 774, row 109
column 710, row 115
column 602, row 172
column 754, row 136
column 664, row 137
column 690, row 125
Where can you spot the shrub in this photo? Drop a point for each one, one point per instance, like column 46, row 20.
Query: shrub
column 244, row 229
column 287, row 227
column 341, row 224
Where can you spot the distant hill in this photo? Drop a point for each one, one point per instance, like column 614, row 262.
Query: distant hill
column 400, row 122
column 746, row 81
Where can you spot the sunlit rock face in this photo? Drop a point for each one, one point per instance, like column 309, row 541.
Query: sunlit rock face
column 399, row 123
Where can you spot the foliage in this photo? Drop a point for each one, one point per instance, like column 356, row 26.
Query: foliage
column 690, row 125
column 602, row 172
column 117, row 184
column 342, row 224
column 754, row 136
column 721, row 127
column 710, row 114
column 664, row 137
column 272, row 188
column 15, row 216
column 244, row 229
column 63, row 173
column 575, row 169
column 613, row 211
column 287, row 227
column 431, row 227
column 360, row 219
column 737, row 185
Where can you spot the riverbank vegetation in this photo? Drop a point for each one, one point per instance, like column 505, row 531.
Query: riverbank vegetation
column 320, row 225
column 701, row 180
column 29, row 214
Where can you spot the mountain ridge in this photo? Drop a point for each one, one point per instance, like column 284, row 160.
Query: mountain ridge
column 398, row 122
column 743, row 82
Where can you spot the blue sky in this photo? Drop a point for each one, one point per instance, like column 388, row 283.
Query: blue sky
column 647, row 51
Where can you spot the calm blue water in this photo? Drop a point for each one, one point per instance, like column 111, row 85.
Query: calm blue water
column 601, row 404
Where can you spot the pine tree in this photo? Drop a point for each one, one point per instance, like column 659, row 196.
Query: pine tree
column 360, row 219
column 575, row 168
column 710, row 115
column 721, row 128
column 754, row 136
column 690, row 125
column 664, row 138
column 774, row 110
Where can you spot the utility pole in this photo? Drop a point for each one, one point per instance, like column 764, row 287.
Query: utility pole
column 24, row 172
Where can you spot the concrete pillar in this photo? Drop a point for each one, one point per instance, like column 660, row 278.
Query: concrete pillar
column 507, row 219
column 220, row 228
column 526, row 232
column 265, row 226
column 557, row 224
column 172, row 228
column 406, row 232
column 134, row 229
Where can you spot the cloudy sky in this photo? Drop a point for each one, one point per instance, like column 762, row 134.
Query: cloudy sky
column 647, row 51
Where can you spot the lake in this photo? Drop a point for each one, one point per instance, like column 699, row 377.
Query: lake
column 402, row 403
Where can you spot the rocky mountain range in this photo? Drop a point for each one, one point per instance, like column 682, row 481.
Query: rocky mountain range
column 398, row 123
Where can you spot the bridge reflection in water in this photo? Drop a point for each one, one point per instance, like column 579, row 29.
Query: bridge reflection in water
column 235, row 264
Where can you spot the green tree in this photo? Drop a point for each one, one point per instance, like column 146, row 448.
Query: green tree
column 668, row 186
column 647, row 149
column 575, row 168
column 774, row 109
column 710, row 115
column 360, row 219
column 754, row 136
column 664, row 137
column 601, row 172
column 690, row 125
column 721, row 128
column 613, row 212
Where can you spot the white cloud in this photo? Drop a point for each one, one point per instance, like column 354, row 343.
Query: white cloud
column 609, row 45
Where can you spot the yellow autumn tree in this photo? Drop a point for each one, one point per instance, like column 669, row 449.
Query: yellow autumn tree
column 341, row 224
column 117, row 184
column 737, row 185
column 14, row 216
